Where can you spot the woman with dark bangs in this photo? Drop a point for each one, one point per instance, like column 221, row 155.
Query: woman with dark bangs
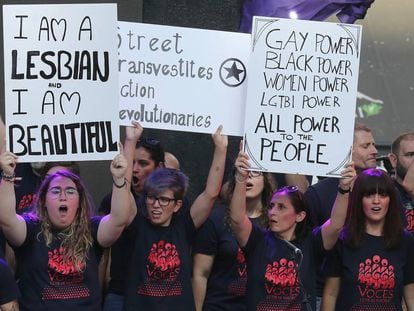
column 219, row 267
column 58, row 246
column 372, row 266
column 282, row 260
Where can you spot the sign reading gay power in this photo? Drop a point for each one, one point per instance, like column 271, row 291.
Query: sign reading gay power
column 61, row 81
column 301, row 95
column 182, row 79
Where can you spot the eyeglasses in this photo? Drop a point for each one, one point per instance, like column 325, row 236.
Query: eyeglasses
column 70, row 192
column 255, row 173
column 162, row 201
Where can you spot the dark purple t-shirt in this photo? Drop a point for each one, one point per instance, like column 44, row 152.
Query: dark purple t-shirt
column 47, row 283
column 226, row 285
column 277, row 277
column 372, row 277
column 160, row 268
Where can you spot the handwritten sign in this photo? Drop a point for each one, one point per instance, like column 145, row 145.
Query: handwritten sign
column 61, row 81
column 182, row 79
column 301, row 95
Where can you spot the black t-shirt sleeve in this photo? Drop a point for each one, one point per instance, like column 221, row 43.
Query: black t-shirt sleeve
column 312, row 199
column 105, row 206
column 206, row 241
column 253, row 239
column 409, row 268
column 333, row 267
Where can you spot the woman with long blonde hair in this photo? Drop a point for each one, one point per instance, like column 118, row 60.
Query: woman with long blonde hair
column 59, row 245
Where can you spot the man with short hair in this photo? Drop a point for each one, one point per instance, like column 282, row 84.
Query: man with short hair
column 402, row 160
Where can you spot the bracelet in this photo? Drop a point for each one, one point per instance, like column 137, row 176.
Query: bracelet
column 119, row 186
column 7, row 177
column 344, row 191
column 238, row 180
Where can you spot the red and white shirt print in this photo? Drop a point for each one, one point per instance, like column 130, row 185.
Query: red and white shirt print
column 65, row 281
column 163, row 270
column 376, row 280
column 238, row 286
column 281, row 286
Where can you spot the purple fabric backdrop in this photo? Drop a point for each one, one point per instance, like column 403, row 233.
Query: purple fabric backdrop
column 347, row 10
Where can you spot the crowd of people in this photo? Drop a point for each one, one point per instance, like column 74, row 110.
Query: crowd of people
column 244, row 243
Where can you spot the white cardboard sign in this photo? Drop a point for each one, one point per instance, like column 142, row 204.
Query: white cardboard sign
column 182, row 79
column 61, row 81
column 301, row 96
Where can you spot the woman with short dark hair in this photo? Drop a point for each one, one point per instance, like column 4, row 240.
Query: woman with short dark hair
column 372, row 266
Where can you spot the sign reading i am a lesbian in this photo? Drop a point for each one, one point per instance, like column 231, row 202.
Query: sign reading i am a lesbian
column 182, row 79
column 61, row 81
column 301, row 95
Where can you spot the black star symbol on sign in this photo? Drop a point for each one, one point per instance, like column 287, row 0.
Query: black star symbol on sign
column 232, row 72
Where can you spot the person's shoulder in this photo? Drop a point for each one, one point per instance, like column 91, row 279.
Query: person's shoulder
column 105, row 206
column 324, row 184
column 31, row 218
column 408, row 236
column 219, row 210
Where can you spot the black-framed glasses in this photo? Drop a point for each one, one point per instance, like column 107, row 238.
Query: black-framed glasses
column 255, row 173
column 56, row 192
column 162, row 201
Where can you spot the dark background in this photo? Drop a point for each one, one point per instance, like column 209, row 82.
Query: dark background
column 386, row 81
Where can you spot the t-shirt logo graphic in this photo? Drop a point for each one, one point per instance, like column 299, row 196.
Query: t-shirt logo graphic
column 238, row 286
column 163, row 270
column 376, row 273
column 376, row 282
column 409, row 215
column 65, row 281
column 26, row 201
column 281, row 286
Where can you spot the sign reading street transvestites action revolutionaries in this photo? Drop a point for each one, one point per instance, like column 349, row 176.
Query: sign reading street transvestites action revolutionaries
column 61, row 81
column 182, row 79
column 301, row 95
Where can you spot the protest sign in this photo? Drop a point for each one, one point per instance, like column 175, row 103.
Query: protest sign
column 61, row 81
column 301, row 95
column 182, row 79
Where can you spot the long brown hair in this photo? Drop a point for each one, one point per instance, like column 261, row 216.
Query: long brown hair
column 269, row 184
column 77, row 238
column 371, row 181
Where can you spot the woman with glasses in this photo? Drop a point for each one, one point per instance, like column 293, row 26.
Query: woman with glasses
column 159, row 277
column 58, row 246
column 144, row 155
column 372, row 266
column 281, row 260
column 219, row 267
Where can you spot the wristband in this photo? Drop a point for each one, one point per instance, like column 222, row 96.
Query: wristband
column 7, row 177
column 119, row 186
column 344, row 191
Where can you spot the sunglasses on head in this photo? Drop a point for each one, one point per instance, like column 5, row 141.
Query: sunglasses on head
column 288, row 189
column 150, row 143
